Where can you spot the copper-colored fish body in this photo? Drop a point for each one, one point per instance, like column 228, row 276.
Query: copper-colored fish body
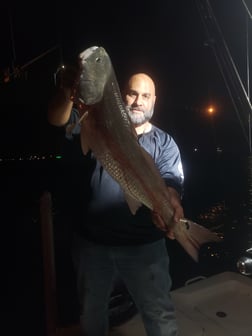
column 107, row 131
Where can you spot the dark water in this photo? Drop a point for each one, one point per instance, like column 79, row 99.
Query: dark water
column 215, row 196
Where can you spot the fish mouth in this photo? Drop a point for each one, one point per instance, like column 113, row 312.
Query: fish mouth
column 86, row 53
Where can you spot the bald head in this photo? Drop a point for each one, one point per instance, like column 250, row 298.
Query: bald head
column 144, row 81
column 140, row 98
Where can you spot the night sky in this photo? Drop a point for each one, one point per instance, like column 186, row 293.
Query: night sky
column 163, row 38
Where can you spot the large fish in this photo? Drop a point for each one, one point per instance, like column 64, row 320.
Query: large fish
column 107, row 130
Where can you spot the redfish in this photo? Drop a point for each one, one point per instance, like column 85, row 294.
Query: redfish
column 107, row 131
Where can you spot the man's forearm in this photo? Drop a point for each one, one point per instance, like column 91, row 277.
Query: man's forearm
column 60, row 107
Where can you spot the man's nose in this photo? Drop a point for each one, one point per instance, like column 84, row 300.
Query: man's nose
column 138, row 100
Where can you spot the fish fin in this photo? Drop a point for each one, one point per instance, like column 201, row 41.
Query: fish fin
column 84, row 143
column 192, row 235
column 133, row 204
column 70, row 128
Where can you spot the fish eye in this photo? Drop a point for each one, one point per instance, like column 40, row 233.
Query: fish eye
column 97, row 59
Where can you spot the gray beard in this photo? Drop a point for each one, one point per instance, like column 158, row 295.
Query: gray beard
column 139, row 119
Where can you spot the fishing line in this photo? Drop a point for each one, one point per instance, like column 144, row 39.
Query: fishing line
column 227, row 66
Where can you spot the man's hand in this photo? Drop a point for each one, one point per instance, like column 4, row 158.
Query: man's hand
column 178, row 214
column 67, row 77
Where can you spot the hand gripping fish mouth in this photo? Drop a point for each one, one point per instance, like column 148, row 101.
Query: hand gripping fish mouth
column 107, row 131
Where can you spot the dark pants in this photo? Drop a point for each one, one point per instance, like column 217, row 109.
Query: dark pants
column 145, row 272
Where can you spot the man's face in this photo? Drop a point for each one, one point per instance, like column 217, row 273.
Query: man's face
column 140, row 99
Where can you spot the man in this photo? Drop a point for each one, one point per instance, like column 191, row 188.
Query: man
column 111, row 241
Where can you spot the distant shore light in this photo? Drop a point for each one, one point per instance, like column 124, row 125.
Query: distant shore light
column 211, row 110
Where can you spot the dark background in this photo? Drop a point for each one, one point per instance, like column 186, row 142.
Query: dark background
column 163, row 38
column 166, row 39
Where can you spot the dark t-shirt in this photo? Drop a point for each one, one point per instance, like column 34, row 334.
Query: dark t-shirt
column 106, row 217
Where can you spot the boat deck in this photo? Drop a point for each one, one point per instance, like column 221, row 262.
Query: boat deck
column 220, row 305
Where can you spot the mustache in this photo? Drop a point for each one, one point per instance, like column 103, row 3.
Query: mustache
column 131, row 108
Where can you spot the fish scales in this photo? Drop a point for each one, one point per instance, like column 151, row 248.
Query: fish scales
column 107, row 131
column 114, row 150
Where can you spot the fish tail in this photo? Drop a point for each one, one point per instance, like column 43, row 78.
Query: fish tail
column 192, row 235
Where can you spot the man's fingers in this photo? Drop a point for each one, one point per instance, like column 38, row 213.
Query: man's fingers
column 170, row 235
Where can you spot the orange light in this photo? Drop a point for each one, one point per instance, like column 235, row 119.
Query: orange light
column 211, row 110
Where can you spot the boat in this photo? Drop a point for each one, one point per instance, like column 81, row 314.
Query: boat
column 220, row 305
